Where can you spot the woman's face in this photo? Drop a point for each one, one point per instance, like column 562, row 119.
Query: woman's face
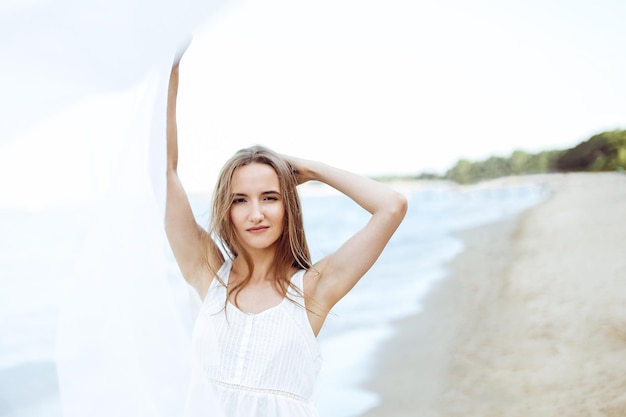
column 257, row 209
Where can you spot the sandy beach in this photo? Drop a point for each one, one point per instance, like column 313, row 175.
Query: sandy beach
column 531, row 320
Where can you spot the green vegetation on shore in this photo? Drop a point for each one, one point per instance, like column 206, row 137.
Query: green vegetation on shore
column 605, row 151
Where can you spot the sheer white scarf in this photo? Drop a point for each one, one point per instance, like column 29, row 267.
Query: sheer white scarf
column 123, row 339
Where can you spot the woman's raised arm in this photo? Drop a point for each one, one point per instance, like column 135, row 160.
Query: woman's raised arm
column 187, row 239
column 338, row 272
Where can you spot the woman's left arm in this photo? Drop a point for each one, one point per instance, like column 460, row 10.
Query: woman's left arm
column 338, row 272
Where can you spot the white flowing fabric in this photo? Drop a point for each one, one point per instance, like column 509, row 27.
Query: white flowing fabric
column 123, row 340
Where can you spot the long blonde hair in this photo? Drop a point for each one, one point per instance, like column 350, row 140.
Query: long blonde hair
column 292, row 248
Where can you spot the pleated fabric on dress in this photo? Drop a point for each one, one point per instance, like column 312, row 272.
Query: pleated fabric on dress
column 263, row 364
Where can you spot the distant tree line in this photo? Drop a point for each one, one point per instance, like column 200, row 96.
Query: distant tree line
column 603, row 152
column 519, row 163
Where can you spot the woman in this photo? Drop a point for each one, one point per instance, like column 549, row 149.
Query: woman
column 264, row 300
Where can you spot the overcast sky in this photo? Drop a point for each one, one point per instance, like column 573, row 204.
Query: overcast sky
column 402, row 86
column 377, row 87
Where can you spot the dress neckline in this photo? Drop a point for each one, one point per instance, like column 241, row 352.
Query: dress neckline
column 227, row 269
column 260, row 313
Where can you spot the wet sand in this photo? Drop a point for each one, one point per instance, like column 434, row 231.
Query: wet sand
column 531, row 320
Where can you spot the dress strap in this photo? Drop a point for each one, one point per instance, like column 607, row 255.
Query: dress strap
column 224, row 272
column 216, row 294
column 297, row 280
column 300, row 315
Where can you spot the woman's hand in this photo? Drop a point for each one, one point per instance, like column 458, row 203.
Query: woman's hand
column 301, row 168
column 181, row 51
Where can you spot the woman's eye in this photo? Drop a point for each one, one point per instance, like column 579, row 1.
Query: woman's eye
column 239, row 200
column 271, row 198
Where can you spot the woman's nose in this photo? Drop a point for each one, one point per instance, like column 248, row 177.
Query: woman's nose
column 256, row 214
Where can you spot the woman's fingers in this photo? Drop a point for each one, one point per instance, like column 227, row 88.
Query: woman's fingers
column 181, row 50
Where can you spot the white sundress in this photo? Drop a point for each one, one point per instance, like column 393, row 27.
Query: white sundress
column 262, row 365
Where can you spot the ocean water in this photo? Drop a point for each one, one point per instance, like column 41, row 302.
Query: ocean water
column 37, row 250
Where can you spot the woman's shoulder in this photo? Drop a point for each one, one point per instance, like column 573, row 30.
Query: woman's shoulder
column 211, row 277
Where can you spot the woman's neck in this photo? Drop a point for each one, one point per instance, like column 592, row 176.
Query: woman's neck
column 263, row 266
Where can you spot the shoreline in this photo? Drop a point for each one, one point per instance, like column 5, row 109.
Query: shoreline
column 529, row 320
column 411, row 369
